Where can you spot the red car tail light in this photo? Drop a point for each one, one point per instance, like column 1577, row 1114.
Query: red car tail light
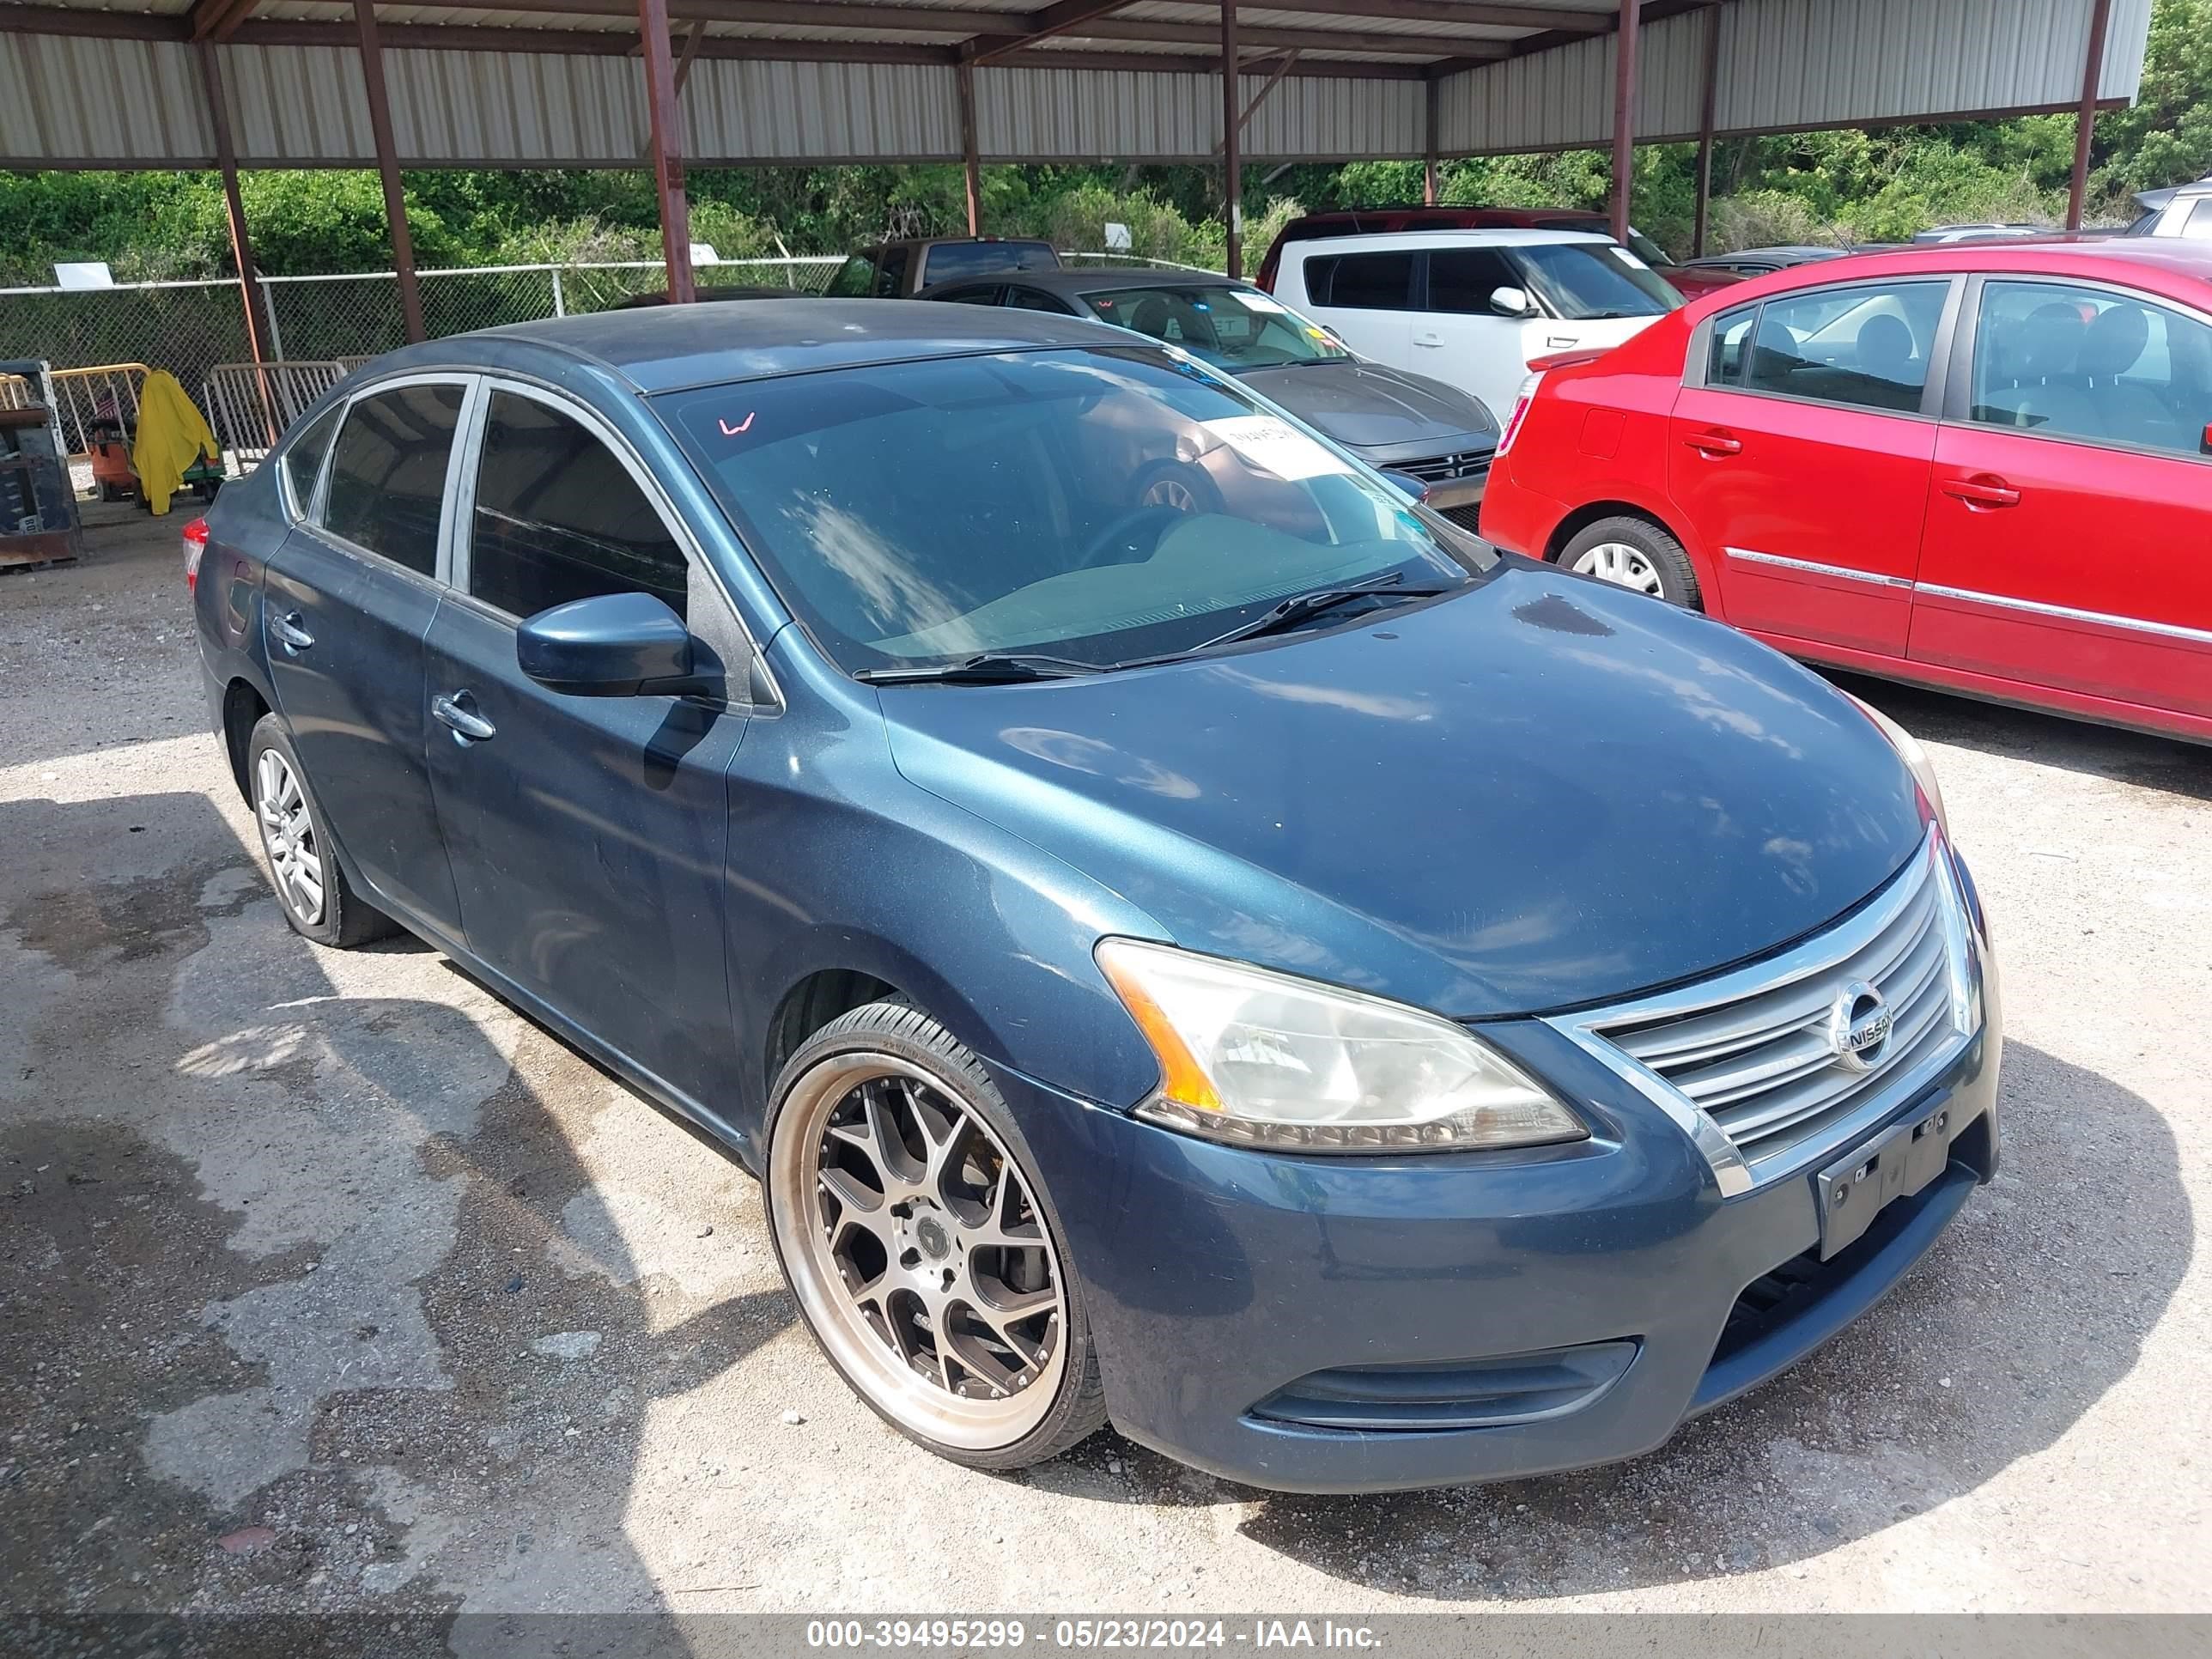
column 1521, row 402
column 195, row 545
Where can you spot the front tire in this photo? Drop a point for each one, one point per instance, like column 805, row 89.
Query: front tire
column 317, row 900
column 1635, row 554
column 921, row 1247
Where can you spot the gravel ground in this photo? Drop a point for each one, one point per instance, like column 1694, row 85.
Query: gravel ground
column 330, row 1283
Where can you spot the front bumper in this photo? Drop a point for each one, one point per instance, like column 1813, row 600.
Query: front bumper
column 1335, row 1325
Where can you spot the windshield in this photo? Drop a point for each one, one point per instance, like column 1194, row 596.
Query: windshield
column 1582, row 281
column 1645, row 249
column 1100, row 505
column 1231, row 328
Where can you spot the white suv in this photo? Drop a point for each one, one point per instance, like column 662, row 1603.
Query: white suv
column 1474, row 307
column 2182, row 211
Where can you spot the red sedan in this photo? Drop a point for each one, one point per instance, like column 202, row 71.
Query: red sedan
column 1985, row 468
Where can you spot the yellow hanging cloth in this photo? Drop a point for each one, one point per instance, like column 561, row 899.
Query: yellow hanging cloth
column 172, row 436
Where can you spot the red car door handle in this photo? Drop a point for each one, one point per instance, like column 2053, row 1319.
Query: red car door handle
column 1984, row 490
column 1714, row 443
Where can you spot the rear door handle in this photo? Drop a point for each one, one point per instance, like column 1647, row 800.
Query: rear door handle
column 290, row 633
column 468, row 725
column 1714, row 443
column 1985, row 489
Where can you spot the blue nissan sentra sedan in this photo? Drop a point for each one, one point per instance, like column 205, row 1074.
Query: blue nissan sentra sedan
column 1350, row 1009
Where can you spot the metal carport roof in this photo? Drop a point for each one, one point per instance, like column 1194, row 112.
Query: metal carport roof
column 86, row 85
column 325, row 83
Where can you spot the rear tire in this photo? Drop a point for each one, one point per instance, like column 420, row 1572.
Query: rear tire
column 311, row 884
column 1635, row 554
column 920, row 1245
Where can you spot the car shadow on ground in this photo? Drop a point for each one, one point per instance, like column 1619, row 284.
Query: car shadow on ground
column 2163, row 764
column 284, row 1250
column 2033, row 1304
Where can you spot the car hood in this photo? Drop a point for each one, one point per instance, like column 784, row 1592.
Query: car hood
column 1371, row 407
column 1538, row 792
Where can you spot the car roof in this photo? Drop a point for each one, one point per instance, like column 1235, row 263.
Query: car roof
column 1400, row 241
column 1095, row 279
column 659, row 348
column 2136, row 260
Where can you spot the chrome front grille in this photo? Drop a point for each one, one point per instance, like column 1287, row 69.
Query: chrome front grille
column 1447, row 469
column 1765, row 1056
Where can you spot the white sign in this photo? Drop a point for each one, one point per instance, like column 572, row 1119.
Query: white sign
column 1117, row 238
column 702, row 253
column 79, row 277
column 1274, row 446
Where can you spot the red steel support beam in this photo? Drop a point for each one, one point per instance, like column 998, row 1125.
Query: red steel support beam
column 1624, row 118
column 2085, row 120
column 1231, row 163
column 1429, row 167
column 1067, row 17
column 685, row 58
column 972, row 162
column 1705, row 130
column 667, row 149
column 388, row 168
column 241, row 247
column 216, row 20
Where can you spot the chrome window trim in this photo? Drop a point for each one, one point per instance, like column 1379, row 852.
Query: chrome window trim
column 2069, row 613
column 301, row 514
column 1957, row 407
column 1941, row 346
column 1824, row 952
column 436, row 579
column 1751, row 556
column 765, row 695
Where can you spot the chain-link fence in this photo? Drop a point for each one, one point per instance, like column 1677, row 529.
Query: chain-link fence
column 190, row 328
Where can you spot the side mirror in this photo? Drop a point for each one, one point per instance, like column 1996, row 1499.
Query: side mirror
column 1412, row 488
column 614, row 645
column 1511, row 301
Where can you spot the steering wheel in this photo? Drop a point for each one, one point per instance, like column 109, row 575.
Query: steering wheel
column 1127, row 534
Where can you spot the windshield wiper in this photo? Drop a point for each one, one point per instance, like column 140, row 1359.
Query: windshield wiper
column 989, row 668
column 1302, row 608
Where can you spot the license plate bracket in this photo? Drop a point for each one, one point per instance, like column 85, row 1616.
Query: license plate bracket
column 1896, row 1163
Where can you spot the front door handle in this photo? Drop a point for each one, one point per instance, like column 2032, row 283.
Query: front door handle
column 1428, row 339
column 290, row 633
column 1984, row 490
column 469, row 726
column 1714, row 443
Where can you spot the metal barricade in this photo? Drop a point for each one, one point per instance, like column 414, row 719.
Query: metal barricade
column 251, row 405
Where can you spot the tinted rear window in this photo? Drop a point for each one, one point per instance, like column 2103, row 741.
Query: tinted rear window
column 388, row 473
column 1372, row 281
column 949, row 261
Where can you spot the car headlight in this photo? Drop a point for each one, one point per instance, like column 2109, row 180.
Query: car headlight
column 1260, row 1058
column 1917, row 760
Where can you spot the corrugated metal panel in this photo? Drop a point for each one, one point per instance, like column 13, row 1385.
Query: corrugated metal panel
column 1795, row 63
column 133, row 103
column 1056, row 114
column 457, row 106
column 66, row 100
column 1050, row 114
column 306, row 105
column 1317, row 119
column 1800, row 62
column 744, row 112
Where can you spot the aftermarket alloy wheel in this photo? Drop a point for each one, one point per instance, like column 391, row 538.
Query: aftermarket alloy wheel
column 1635, row 554
column 920, row 1247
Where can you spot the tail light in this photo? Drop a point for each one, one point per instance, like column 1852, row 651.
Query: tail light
column 195, row 545
column 1521, row 402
